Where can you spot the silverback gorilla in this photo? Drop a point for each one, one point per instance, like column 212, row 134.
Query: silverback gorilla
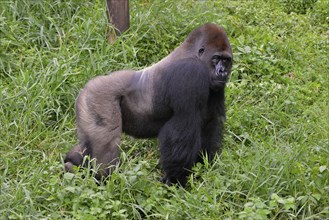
column 180, row 100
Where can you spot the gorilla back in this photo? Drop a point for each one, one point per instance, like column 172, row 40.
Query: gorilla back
column 180, row 100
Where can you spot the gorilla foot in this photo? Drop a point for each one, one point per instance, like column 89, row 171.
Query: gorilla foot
column 169, row 181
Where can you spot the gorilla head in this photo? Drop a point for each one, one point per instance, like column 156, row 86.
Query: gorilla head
column 210, row 44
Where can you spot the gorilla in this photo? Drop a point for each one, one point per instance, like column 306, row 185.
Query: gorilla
column 179, row 100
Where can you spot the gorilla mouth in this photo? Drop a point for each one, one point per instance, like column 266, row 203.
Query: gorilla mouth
column 222, row 74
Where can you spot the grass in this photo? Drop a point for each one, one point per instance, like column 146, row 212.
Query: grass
column 275, row 159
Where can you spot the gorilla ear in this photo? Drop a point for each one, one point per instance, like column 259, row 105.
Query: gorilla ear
column 201, row 51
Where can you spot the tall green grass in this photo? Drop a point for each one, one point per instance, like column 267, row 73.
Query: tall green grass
column 275, row 159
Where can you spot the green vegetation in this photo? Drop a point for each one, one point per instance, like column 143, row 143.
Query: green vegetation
column 275, row 159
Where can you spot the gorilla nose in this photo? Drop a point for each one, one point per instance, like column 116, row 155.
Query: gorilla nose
column 220, row 69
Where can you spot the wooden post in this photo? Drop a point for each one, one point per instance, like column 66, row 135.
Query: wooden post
column 118, row 16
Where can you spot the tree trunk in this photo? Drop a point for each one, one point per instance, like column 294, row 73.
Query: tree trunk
column 118, row 16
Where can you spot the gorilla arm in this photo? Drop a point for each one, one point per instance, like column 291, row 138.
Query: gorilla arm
column 180, row 137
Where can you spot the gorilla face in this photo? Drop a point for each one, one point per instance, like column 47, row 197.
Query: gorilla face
column 220, row 71
column 219, row 62
column 222, row 67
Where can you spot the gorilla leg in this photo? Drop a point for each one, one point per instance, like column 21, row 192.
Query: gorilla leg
column 180, row 143
column 99, row 127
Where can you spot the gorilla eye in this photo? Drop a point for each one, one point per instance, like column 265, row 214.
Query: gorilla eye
column 215, row 59
column 201, row 50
